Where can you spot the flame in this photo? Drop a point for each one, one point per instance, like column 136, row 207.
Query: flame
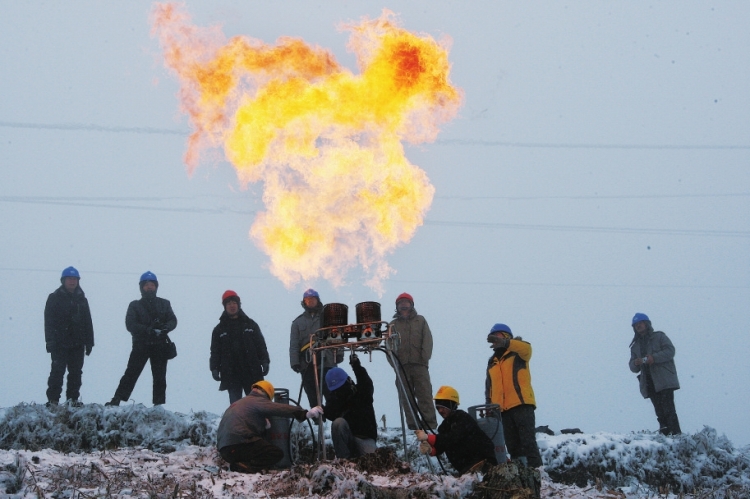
column 326, row 143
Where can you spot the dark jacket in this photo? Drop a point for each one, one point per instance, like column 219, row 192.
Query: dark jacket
column 245, row 420
column 463, row 441
column 663, row 371
column 145, row 316
column 67, row 320
column 238, row 349
column 354, row 404
column 303, row 327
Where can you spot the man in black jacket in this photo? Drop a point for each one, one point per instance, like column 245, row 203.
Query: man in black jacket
column 69, row 333
column 467, row 447
column 239, row 357
column 149, row 320
column 354, row 430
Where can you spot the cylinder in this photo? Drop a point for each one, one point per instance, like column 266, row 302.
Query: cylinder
column 492, row 426
column 335, row 314
column 368, row 312
column 279, row 432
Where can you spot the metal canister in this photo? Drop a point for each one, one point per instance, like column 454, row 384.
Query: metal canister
column 279, row 432
column 489, row 420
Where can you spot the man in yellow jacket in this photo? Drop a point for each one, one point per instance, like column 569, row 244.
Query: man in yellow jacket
column 508, row 385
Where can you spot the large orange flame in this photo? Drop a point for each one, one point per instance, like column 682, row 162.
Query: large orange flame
column 327, row 144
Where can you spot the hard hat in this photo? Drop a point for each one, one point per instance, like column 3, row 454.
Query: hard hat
column 335, row 378
column 638, row 318
column 501, row 328
column 148, row 276
column 229, row 294
column 404, row 296
column 447, row 393
column 70, row 272
column 266, row 386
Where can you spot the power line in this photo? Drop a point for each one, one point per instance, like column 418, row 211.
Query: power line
column 551, row 145
column 92, row 127
column 572, row 228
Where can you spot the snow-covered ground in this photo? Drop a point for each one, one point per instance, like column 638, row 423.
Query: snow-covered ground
column 133, row 451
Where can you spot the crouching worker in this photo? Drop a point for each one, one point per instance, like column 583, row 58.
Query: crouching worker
column 244, row 424
column 349, row 406
column 467, row 447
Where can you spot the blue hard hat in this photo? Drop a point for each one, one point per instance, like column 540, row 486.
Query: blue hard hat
column 310, row 293
column 499, row 327
column 638, row 318
column 335, row 378
column 148, row 276
column 70, row 272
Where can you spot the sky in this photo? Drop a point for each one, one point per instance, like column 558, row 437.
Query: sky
column 598, row 167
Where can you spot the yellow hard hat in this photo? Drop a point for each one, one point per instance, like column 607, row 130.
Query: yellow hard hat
column 447, row 393
column 266, row 386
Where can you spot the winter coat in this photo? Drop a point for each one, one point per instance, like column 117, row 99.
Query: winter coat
column 238, row 350
column 144, row 316
column 663, row 371
column 508, row 381
column 415, row 339
column 305, row 325
column 463, row 441
column 67, row 320
column 354, row 404
column 245, row 420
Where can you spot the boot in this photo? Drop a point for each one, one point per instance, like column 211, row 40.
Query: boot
column 74, row 403
column 51, row 403
column 114, row 402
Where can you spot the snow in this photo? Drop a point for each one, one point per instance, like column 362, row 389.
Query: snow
column 134, row 451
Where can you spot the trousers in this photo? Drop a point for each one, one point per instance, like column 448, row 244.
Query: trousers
column 417, row 377
column 62, row 359
column 139, row 355
column 519, row 427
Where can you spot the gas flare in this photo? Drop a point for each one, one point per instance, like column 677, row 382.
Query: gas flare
column 326, row 144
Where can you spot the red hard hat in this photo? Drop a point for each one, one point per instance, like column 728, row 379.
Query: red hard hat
column 405, row 296
column 227, row 295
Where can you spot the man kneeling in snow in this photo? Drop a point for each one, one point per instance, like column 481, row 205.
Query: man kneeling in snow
column 354, row 430
column 240, row 435
column 468, row 448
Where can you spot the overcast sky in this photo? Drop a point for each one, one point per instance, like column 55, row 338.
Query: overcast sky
column 597, row 168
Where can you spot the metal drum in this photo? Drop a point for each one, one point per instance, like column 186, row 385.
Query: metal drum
column 368, row 314
column 279, row 432
column 492, row 426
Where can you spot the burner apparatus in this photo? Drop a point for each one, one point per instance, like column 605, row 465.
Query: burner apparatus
column 368, row 316
column 335, row 317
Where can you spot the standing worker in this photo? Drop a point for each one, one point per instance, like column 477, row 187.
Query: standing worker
column 149, row 321
column 413, row 355
column 68, row 333
column 354, row 430
column 239, row 356
column 508, row 385
column 652, row 356
column 240, row 436
column 467, row 447
column 300, row 357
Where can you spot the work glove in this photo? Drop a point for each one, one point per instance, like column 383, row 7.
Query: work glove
column 354, row 360
column 421, row 435
column 268, row 424
column 314, row 412
column 296, row 367
column 425, row 448
column 88, row 349
column 216, row 374
column 264, row 369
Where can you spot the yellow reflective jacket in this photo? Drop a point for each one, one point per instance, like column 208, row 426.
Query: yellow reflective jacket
column 508, row 381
